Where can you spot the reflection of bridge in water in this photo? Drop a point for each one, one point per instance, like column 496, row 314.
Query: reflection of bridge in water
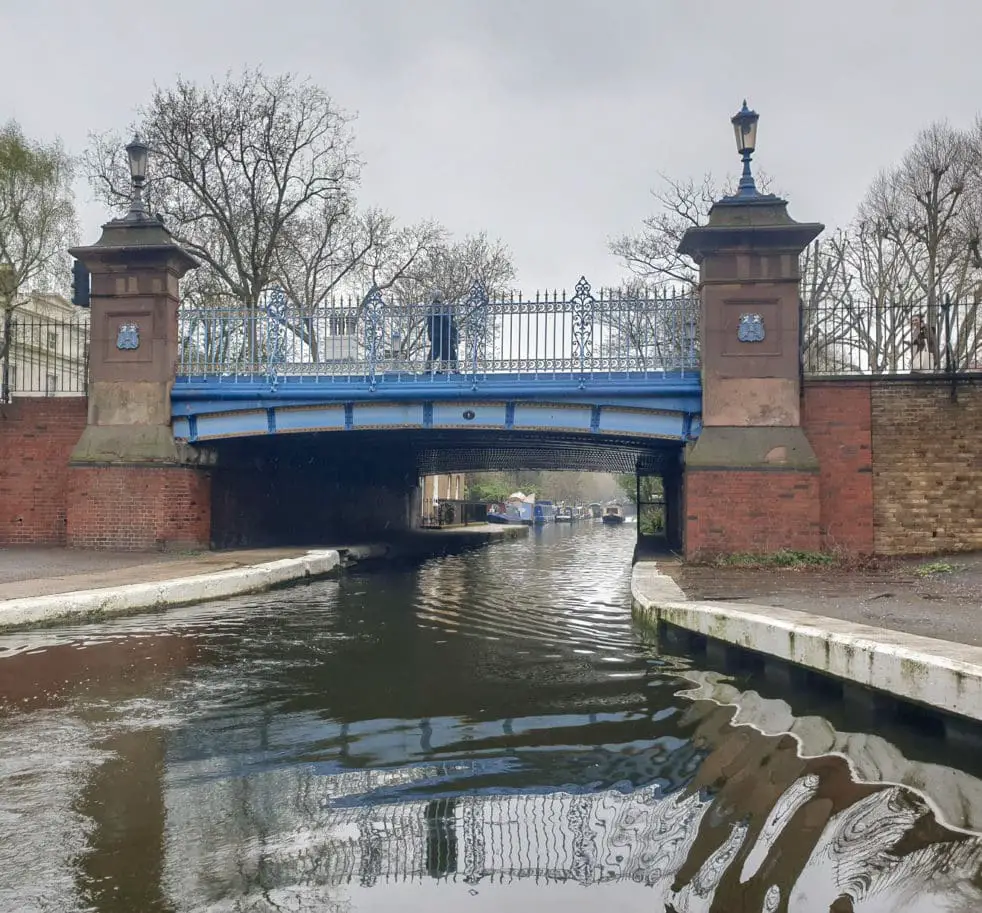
column 324, row 839
column 821, row 836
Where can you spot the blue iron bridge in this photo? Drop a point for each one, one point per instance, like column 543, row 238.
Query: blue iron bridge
column 602, row 367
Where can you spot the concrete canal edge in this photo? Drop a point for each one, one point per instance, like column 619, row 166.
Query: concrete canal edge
column 177, row 591
column 941, row 674
column 127, row 599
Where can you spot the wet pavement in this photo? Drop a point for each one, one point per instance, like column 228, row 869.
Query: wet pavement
column 486, row 730
column 934, row 597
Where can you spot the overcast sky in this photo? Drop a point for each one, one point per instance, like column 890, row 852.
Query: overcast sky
column 545, row 122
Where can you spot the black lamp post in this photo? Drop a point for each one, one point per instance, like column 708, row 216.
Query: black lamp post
column 8, row 288
column 745, row 130
column 137, row 152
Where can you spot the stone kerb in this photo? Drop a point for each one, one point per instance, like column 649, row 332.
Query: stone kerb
column 164, row 593
column 939, row 674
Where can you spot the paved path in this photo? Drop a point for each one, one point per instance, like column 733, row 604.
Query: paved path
column 46, row 571
column 896, row 594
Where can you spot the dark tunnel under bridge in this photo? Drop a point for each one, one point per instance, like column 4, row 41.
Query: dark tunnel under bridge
column 327, row 488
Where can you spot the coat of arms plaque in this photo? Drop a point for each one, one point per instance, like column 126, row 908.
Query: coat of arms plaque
column 128, row 336
column 751, row 328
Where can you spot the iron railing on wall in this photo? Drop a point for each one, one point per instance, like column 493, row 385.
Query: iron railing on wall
column 872, row 338
column 376, row 339
column 43, row 356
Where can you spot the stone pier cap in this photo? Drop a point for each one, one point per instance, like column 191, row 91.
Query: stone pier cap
column 760, row 223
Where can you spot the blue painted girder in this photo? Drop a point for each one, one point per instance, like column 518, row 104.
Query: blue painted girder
column 662, row 406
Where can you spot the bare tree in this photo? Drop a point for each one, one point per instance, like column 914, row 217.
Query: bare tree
column 652, row 254
column 452, row 267
column 921, row 205
column 334, row 250
column 256, row 177
column 648, row 327
column 236, row 165
column 332, row 265
column 827, row 315
column 882, row 297
column 448, row 269
column 913, row 247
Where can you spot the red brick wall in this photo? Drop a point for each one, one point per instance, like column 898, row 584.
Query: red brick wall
column 836, row 418
column 139, row 507
column 900, row 474
column 37, row 435
column 755, row 511
column 927, row 465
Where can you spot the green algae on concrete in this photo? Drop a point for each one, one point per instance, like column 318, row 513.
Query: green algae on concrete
column 940, row 674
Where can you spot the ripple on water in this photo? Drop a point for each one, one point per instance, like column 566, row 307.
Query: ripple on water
column 488, row 729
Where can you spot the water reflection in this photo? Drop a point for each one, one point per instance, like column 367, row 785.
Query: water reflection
column 486, row 729
column 954, row 795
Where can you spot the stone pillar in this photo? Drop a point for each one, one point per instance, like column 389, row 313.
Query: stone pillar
column 131, row 485
column 751, row 478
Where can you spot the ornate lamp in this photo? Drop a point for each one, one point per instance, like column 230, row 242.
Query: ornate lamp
column 137, row 153
column 745, row 130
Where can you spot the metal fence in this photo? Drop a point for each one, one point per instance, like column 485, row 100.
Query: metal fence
column 43, row 356
column 554, row 335
column 453, row 512
column 867, row 338
column 377, row 339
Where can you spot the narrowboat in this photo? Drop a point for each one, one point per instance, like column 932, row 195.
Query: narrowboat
column 504, row 516
column 565, row 515
column 521, row 506
column 613, row 515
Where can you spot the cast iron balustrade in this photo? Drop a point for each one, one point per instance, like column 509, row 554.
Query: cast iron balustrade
column 381, row 342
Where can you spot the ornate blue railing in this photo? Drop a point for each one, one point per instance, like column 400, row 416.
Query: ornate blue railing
column 463, row 342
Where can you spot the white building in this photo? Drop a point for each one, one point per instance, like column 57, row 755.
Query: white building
column 44, row 348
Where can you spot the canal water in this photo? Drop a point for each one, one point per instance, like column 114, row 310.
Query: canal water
column 484, row 731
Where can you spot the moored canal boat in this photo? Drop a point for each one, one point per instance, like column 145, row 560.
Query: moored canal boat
column 613, row 515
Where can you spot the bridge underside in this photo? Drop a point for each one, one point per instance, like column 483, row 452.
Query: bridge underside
column 340, row 462
column 419, row 452
column 329, row 488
